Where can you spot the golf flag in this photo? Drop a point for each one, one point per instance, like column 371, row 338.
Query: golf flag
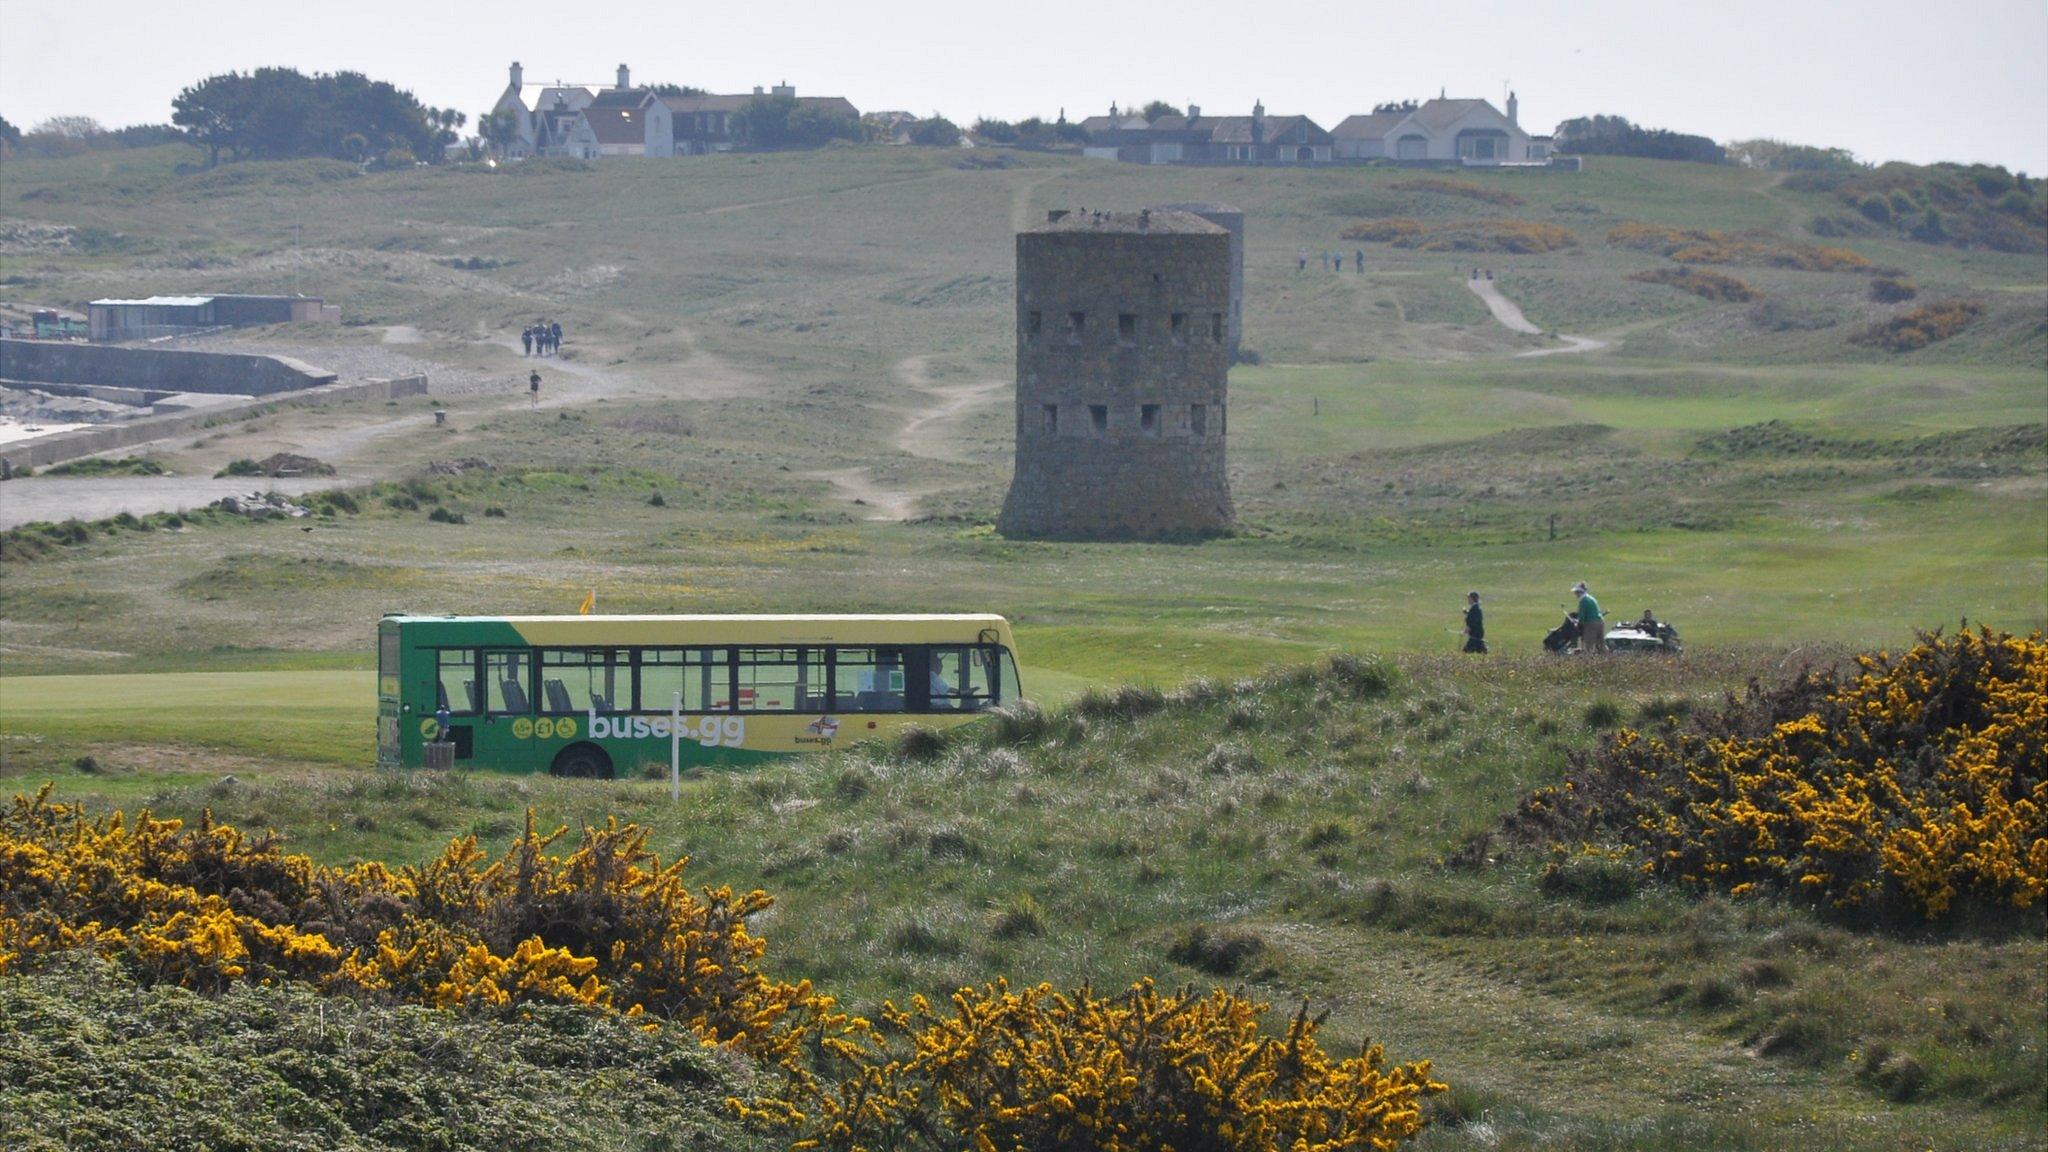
column 589, row 604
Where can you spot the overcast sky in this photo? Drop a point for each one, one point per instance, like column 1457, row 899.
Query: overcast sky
column 1889, row 79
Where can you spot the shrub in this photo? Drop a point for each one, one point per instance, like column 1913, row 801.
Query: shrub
column 1217, row 951
column 1893, row 289
column 1706, row 285
column 1515, row 236
column 1922, row 326
column 241, row 467
column 1917, row 783
column 1469, row 191
column 100, row 466
column 442, row 515
column 1142, row 1070
column 1704, row 246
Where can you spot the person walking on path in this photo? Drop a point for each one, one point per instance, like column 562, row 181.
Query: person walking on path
column 1359, row 255
column 1301, row 261
column 533, row 388
column 1475, row 625
column 555, row 335
column 1592, row 626
column 526, row 339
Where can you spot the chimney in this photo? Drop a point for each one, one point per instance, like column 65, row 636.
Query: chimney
column 518, row 75
column 1514, row 106
column 1258, row 122
column 1194, row 111
column 625, row 78
column 1144, row 218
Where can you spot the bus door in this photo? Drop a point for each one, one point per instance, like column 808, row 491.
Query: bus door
column 387, row 696
column 505, row 739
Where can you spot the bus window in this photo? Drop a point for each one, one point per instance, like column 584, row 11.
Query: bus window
column 782, row 680
column 387, row 663
column 507, row 673
column 867, row 680
column 1009, row 691
column 456, row 687
column 967, row 679
column 582, row 679
column 702, row 675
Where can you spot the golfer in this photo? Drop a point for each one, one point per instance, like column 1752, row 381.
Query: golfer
column 1592, row 627
column 1475, row 625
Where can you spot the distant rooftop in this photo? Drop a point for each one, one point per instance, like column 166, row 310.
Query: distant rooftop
column 162, row 301
column 1167, row 222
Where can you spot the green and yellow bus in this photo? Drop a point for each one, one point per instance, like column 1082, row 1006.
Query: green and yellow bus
column 599, row 696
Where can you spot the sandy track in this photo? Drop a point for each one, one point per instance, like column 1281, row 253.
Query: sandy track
column 1510, row 316
column 928, row 432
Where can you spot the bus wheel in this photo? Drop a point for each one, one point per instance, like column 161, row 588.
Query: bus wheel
column 582, row 761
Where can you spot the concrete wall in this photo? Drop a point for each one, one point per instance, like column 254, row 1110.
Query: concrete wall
column 1120, row 479
column 36, row 361
column 46, row 450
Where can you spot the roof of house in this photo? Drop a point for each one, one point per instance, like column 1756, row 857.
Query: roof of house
column 1114, row 123
column 156, row 302
column 1372, row 127
column 616, row 125
column 621, row 98
column 541, row 97
column 1437, row 115
column 834, row 105
column 1164, row 222
column 1277, row 129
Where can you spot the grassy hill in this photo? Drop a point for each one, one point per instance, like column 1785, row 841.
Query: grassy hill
column 762, row 340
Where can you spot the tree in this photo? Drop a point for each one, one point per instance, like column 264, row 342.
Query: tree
column 935, row 132
column 10, row 136
column 277, row 113
column 1158, row 108
column 676, row 90
column 498, row 129
column 1394, row 106
column 995, row 131
column 1615, row 136
column 1778, row 156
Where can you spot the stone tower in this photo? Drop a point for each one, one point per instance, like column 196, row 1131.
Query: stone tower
column 1123, row 365
column 1233, row 219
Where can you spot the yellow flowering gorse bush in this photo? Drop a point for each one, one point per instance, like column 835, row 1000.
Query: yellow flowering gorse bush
column 1037, row 1070
column 1917, row 782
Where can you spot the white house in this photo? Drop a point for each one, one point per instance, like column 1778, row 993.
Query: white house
column 531, row 104
column 1442, row 131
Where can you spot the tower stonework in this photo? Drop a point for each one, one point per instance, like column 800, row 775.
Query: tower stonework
column 1123, row 360
column 1232, row 218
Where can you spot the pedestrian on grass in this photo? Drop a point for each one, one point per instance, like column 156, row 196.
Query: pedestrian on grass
column 526, row 339
column 1301, row 261
column 533, row 387
column 1475, row 625
column 555, row 335
column 1359, row 255
column 1592, row 626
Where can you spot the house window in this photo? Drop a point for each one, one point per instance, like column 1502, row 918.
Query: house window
column 1034, row 323
column 1077, row 325
column 1148, row 420
column 1177, row 327
column 1127, row 327
column 1216, row 327
column 1052, row 418
column 1098, row 418
column 1198, row 419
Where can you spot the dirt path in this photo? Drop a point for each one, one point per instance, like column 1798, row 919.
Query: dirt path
column 929, row 433
column 1020, row 202
column 1510, row 317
